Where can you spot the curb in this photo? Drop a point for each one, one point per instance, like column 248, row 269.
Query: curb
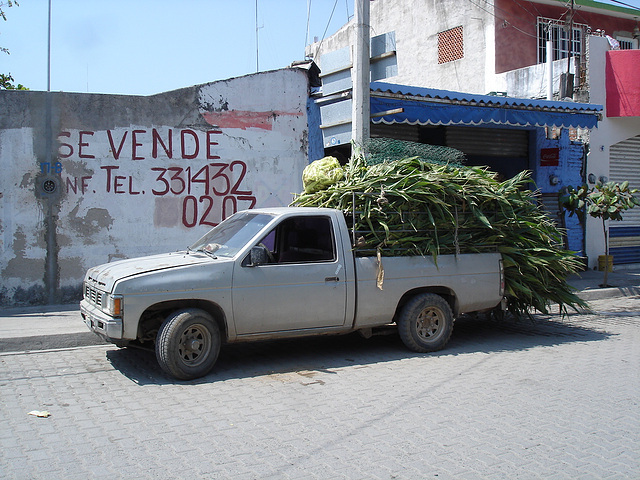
column 609, row 292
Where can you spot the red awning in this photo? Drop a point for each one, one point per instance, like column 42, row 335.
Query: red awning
column 623, row 83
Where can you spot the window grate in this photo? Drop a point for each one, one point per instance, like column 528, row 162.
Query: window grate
column 563, row 42
column 450, row 45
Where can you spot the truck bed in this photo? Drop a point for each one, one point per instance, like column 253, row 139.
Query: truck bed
column 475, row 279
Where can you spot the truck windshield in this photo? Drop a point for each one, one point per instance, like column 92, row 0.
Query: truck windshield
column 228, row 238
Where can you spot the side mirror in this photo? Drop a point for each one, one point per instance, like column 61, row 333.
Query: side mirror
column 258, row 256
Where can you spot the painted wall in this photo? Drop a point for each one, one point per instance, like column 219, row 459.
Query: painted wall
column 562, row 160
column 532, row 82
column 610, row 131
column 416, row 25
column 516, row 31
column 126, row 176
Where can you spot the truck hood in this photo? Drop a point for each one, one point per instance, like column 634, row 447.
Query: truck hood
column 104, row 276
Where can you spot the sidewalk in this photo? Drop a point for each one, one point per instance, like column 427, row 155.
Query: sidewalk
column 41, row 320
column 18, row 322
column 623, row 282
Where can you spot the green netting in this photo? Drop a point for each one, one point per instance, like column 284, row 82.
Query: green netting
column 387, row 149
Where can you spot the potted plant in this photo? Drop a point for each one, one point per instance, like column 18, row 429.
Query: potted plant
column 606, row 201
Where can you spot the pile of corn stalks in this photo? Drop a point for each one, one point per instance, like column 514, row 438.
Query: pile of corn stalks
column 411, row 207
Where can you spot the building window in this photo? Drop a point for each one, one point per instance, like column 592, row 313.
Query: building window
column 564, row 43
column 450, row 45
column 627, row 43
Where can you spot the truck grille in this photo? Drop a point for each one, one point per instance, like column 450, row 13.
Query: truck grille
column 93, row 295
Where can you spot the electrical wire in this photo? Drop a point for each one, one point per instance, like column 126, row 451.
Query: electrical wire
column 535, row 7
column 502, row 19
column 329, row 22
column 327, row 27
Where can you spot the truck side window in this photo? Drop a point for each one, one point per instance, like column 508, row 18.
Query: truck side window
column 301, row 239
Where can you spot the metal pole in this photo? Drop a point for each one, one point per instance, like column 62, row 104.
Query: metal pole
column 570, row 39
column 549, row 63
column 567, row 86
column 361, row 109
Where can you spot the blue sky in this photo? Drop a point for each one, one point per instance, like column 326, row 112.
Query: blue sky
column 142, row 47
column 150, row 46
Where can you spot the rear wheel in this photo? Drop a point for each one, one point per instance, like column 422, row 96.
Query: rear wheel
column 188, row 344
column 425, row 323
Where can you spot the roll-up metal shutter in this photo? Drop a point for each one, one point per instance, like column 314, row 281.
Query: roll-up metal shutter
column 572, row 231
column 485, row 142
column 489, row 142
column 624, row 236
column 397, row 131
column 549, row 203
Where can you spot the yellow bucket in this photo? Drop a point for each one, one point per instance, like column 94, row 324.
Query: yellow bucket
column 605, row 261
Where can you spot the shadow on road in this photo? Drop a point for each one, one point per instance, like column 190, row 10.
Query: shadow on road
column 244, row 360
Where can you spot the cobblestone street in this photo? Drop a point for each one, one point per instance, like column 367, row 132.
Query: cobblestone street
column 558, row 399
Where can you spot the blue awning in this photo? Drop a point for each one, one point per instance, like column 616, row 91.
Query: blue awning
column 392, row 103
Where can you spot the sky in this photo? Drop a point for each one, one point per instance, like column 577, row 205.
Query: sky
column 143, row 47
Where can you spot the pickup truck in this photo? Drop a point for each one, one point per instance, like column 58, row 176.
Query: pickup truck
column 277, row 273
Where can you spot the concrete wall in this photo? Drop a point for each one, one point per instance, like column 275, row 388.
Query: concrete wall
column 532, row 82
column 126, row 176
column 610, row 130
column 416, row 25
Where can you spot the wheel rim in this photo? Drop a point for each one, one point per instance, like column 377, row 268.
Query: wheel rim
column 194, row 345
column 429, row 323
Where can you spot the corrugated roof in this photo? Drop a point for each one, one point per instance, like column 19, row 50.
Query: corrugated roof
column 471, row 99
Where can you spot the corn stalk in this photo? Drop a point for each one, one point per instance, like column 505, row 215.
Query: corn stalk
column 411, row 207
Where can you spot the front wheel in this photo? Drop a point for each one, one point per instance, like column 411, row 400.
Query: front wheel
column 425, row 323
column 188, row 344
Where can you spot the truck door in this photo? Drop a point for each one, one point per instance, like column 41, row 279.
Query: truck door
column 302, row 286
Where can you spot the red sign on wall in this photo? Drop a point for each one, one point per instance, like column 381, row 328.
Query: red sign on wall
column 549, row 157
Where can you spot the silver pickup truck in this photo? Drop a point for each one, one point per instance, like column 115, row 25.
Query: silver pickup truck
column 276, row 273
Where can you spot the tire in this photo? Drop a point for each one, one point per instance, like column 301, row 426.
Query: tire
column 188, row 344
column 425, row 323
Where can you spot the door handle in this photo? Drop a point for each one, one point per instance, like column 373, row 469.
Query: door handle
column 332, row 279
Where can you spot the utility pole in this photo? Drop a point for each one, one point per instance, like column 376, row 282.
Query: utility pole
column 567, row 84
column 360, row 76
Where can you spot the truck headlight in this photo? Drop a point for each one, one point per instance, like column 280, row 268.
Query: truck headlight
column 113, row 305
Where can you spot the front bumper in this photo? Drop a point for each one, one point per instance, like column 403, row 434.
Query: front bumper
column 100, row 323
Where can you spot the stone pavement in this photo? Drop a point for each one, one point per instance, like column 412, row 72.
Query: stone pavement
column 554, row 399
